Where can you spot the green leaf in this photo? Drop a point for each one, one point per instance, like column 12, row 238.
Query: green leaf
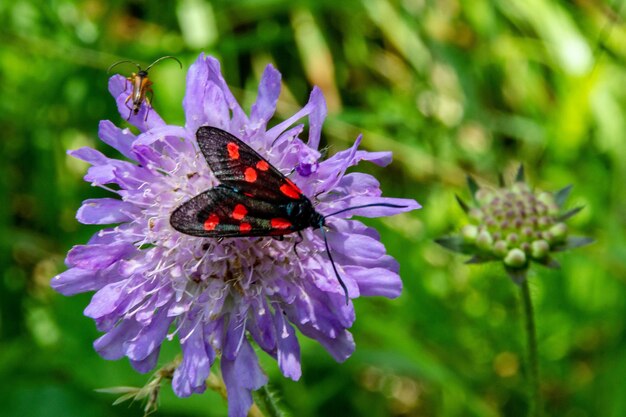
column 569, row 213
column 456, row 244
column 549, row 263
column 480, row 259
column 561, row 195
column 520, row 177
column 473, row 186
column 573, row 242
column 462, row 203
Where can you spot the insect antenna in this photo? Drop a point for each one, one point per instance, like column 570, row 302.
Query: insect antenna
column 115, row 64
column 364, row 206
column 161, row 59
column 332, row 262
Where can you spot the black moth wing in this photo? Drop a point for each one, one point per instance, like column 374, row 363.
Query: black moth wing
column 224, row 212
column 237, row 165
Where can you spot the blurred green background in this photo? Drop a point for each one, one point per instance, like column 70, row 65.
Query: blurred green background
column 451, row 87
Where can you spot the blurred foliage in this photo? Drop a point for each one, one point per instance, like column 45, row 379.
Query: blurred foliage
column 451, row 87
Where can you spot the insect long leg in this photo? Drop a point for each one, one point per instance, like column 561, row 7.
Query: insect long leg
column 130, row 109
column 130, row 82
column 295, row 245
column 148, row 101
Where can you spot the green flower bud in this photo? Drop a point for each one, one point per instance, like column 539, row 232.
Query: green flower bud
column 500, row 249
column 484, row 196
column 469, row 233
column 544, row 222
column 558, row 231
column 515, row 226
column 476, row 215
column 516, row 258
column 553, row 209
column 546, row 198
column 520, row 188
column 539, row 249
column 484, row 240
column 512, row 239
column 541, row 208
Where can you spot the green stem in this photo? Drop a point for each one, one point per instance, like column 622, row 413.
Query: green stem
column 266, row 401
column 534, row 409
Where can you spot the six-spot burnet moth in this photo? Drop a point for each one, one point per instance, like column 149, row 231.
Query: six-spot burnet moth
column 252, row 199
column 140, row 85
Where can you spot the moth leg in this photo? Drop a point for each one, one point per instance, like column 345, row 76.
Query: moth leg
column 295, row 245
column 220, row 239
column 279, row 238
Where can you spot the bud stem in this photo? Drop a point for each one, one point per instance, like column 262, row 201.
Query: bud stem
column 534, row 407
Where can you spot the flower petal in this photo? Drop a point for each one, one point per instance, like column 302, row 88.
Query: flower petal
column 288, row 348
column 107, row 299
column 239, row 119
column 191, row 374
column 111, row 345
column 146, row 364
column 204, row 101
column 241, row 376
column 76, row 280
column 95, row 256
column 106, row 211
column 89, row 155
column 316, row 99
column 150, row 337
column 235, row 334
column 398, row 205
column 120, row 139
column 340, row 347
column 375, row 281
column 316, row 119
column 261, row 325
column 265, row 106
column 331, row 171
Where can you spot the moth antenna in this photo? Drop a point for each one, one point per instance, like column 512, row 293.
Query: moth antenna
column 364, row 206
column 332, row 262
column 162, row 58
column 115, row 64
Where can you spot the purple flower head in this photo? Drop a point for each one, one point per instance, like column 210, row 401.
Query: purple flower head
column 153, row 282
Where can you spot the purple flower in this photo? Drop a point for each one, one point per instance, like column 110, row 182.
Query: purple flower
column 153, row 282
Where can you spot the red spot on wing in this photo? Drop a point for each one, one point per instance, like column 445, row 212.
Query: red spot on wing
column 211, row 222
column 279, row 223
column 233, row 150
column 239, row 212
column 290, row 189
column 245, row 227
column 262, row 166
column 250, row 174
